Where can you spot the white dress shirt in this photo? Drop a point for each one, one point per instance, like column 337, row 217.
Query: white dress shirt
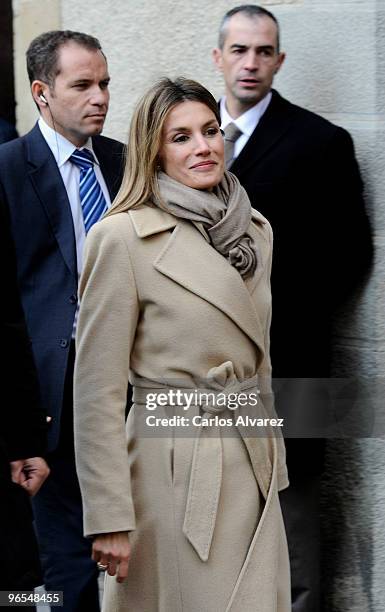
column 62, row 149
column 246, row 122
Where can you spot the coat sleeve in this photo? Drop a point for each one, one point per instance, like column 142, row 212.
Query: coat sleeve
column 350, row 246
column 265, row 382
column 106, row 328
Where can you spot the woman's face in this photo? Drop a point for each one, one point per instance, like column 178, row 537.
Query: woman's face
column 192, row 150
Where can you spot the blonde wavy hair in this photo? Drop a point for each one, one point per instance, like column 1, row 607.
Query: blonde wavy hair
column 140, row 184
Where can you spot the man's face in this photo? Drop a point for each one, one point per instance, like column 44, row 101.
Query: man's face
column 78, row 100
column 249, row 60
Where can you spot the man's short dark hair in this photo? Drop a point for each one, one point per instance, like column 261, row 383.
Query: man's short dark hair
column 250, row 10
column 43, row 53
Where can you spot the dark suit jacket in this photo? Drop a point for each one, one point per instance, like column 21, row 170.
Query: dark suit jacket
column 32, row 188
column 300, row 171
column 22, row 426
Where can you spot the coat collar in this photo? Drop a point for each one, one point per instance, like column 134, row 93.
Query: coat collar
column 190, row 261
column 274, row 123
column 149, row 220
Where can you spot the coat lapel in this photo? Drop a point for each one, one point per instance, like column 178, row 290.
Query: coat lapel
column 273, row 125
column 50, row 190
column 189, row 260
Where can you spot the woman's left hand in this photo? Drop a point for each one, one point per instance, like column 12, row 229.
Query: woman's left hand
column 112, row 550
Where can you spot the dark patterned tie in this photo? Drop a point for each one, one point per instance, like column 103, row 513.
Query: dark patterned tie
column 232, row 133
column 92, row 199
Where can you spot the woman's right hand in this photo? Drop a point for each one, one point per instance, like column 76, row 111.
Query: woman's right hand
column 113, row 550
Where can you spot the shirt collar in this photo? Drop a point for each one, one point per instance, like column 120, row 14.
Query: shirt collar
column 61, row 148
column 248, row 121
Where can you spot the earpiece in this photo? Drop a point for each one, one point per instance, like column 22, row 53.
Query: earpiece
column 42, row 98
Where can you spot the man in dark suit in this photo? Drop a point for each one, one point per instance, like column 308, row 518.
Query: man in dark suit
column 56, row 182
column 300, row 171
column 22, row 433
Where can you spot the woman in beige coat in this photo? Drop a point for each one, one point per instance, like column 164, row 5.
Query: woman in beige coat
column 182, row 500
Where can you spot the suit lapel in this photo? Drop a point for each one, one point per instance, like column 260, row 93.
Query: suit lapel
column 273, row 125
column 111, row 159
column 207, row 274
column 48, row 185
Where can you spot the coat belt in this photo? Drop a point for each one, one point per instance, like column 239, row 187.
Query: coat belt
column 206, row 470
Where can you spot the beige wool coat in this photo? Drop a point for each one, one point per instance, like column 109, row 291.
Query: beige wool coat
column 162, row 308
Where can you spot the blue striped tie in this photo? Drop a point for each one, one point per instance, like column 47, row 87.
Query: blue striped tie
column 92, row 199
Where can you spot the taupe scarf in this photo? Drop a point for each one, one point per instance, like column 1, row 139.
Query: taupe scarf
column 224, row 212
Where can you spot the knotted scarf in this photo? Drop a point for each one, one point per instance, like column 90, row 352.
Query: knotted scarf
column 225, row 213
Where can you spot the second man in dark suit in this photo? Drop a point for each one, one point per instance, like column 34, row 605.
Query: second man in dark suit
column 300, row 171
column 22, row 433
column 57, row 181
